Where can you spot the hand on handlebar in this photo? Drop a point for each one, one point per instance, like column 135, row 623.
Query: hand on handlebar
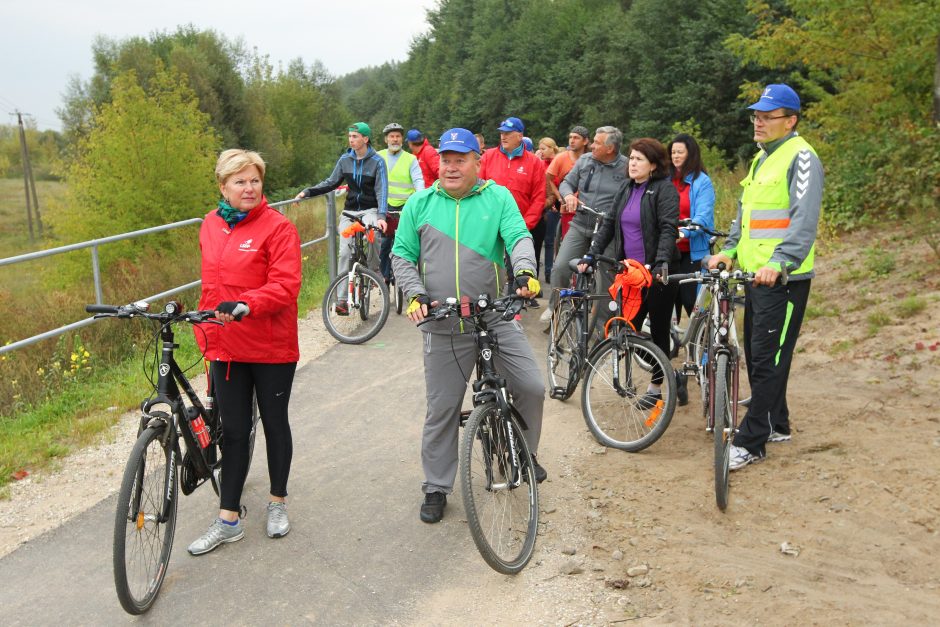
column 586, row 262
column 228, row 310
column 714, row 260
column 382, row 224
column 526, row 284
column 418, row 307
column 571, row 203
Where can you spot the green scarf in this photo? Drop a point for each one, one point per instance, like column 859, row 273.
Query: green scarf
column 230, row 214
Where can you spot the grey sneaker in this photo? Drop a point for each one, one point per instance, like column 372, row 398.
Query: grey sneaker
column 217, row 533
column 278, row 525
column 741, row 457
column 776, row 436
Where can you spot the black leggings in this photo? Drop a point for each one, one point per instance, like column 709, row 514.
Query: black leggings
column 658, row 303
column 233, row 383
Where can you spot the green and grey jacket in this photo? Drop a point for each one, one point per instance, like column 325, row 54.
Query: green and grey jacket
column 447, row 247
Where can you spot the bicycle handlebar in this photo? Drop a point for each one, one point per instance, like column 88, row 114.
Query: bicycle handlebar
column 358, row 219
column 712, row 275
column 694, row 226
column 601, row 215
column 509, row 306
column 172, row 312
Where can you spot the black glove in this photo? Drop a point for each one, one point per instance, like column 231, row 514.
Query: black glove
column 660, row 271
column 525, row 279
column 233, row 308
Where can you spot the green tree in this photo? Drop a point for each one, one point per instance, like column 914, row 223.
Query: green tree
column 867, row 70
column 147, row 160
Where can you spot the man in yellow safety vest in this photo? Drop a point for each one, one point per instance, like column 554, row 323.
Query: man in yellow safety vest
column 774, row 237
column 404, row 179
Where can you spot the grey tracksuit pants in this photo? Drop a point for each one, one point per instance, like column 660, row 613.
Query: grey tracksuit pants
column 446, row 382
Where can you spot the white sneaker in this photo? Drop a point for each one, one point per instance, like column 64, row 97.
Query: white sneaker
column 778, row 437
column 546, row 315
column 741, row 457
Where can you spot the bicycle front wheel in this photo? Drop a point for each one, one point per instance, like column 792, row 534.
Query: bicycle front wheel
column 500, row 496
column 564, row 362
column 359, row 319
column 698, row 354
column 618, row 408
column 145, row 521
column 723, row 433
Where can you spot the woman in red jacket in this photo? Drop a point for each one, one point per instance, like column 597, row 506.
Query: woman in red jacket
column 251, row 277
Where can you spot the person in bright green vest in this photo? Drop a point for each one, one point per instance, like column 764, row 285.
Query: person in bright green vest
column 404, row 179
column 775, row 232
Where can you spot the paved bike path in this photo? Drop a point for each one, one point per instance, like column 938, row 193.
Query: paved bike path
column 357, row 553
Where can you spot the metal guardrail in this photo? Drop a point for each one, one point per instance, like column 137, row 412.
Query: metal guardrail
column 95, row 243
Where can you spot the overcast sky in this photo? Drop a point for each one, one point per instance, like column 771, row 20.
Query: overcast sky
column 45, row 42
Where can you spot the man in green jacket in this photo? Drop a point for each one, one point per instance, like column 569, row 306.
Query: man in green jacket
column 775, row 233
column 450, row 243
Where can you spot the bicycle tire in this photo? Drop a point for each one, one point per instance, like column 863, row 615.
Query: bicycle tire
column 142, row 542
column 359, row 326
column 255, row 417
column 722, row 431
column 503, row 519
column 564, row 362
column 698, row 354
column 618, row 374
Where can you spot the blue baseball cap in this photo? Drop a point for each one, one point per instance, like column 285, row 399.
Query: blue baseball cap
column 511, row 124
column 527, row 142
column 458, row 140
column 777, row 97
column 414, row 135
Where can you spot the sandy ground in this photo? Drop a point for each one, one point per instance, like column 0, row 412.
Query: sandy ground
column 838, row 526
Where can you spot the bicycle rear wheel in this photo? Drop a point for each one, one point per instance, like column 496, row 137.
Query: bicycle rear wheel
column 614, row 400
column 564, row 361
column 145, row 521
column 501, row 505
column 723, row 434
column 363, row 319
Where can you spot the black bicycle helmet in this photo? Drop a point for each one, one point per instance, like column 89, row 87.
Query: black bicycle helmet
column 394, row 126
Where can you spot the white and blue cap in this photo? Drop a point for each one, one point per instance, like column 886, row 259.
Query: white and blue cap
column 777, row 97
column 458, row 140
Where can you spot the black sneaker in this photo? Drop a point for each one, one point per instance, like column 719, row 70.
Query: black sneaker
column 432, row 510
column 682, row 389
column 532, row 303
column 540, row 473
column 648, row 400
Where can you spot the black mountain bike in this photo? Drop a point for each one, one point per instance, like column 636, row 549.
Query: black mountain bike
column 497, row 473
column 158, row 469
column 574, row 322
column 720, row 359
column 356, row 305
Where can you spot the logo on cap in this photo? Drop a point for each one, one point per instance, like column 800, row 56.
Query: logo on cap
column 453, row 137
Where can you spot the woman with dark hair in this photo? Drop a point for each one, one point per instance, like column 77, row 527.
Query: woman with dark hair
column 645, row 228
column 696, row 201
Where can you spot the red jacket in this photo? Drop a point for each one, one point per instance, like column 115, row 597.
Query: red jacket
column 429, row 161
column 257, row 262
column 525, row 178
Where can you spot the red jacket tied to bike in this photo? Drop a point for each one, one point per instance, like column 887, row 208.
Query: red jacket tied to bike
column 256, row 262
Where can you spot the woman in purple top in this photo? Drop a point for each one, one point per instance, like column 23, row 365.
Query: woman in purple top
column 646, row 227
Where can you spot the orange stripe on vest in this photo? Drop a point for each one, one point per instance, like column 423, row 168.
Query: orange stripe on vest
column 770, row 224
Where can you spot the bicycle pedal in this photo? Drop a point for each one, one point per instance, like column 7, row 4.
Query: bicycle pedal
column 557, row 393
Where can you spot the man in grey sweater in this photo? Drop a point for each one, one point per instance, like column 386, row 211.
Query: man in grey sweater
column 595, row 178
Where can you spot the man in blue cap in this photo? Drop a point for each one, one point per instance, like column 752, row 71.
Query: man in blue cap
column 774, row 237
column 457, row 231
column 427, row 157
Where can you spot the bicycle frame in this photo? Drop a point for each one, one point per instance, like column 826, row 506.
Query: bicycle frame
column 170, row 379
column 720, row 332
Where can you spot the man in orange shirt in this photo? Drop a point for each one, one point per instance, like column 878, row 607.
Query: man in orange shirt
column 578, row 140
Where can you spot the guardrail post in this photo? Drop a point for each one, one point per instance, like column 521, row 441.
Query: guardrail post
column 96, row 272
column 331, row 247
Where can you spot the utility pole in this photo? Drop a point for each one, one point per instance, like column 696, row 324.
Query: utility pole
column 29, row 182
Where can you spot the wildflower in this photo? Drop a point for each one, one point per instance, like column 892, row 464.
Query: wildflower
column 40, row 371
